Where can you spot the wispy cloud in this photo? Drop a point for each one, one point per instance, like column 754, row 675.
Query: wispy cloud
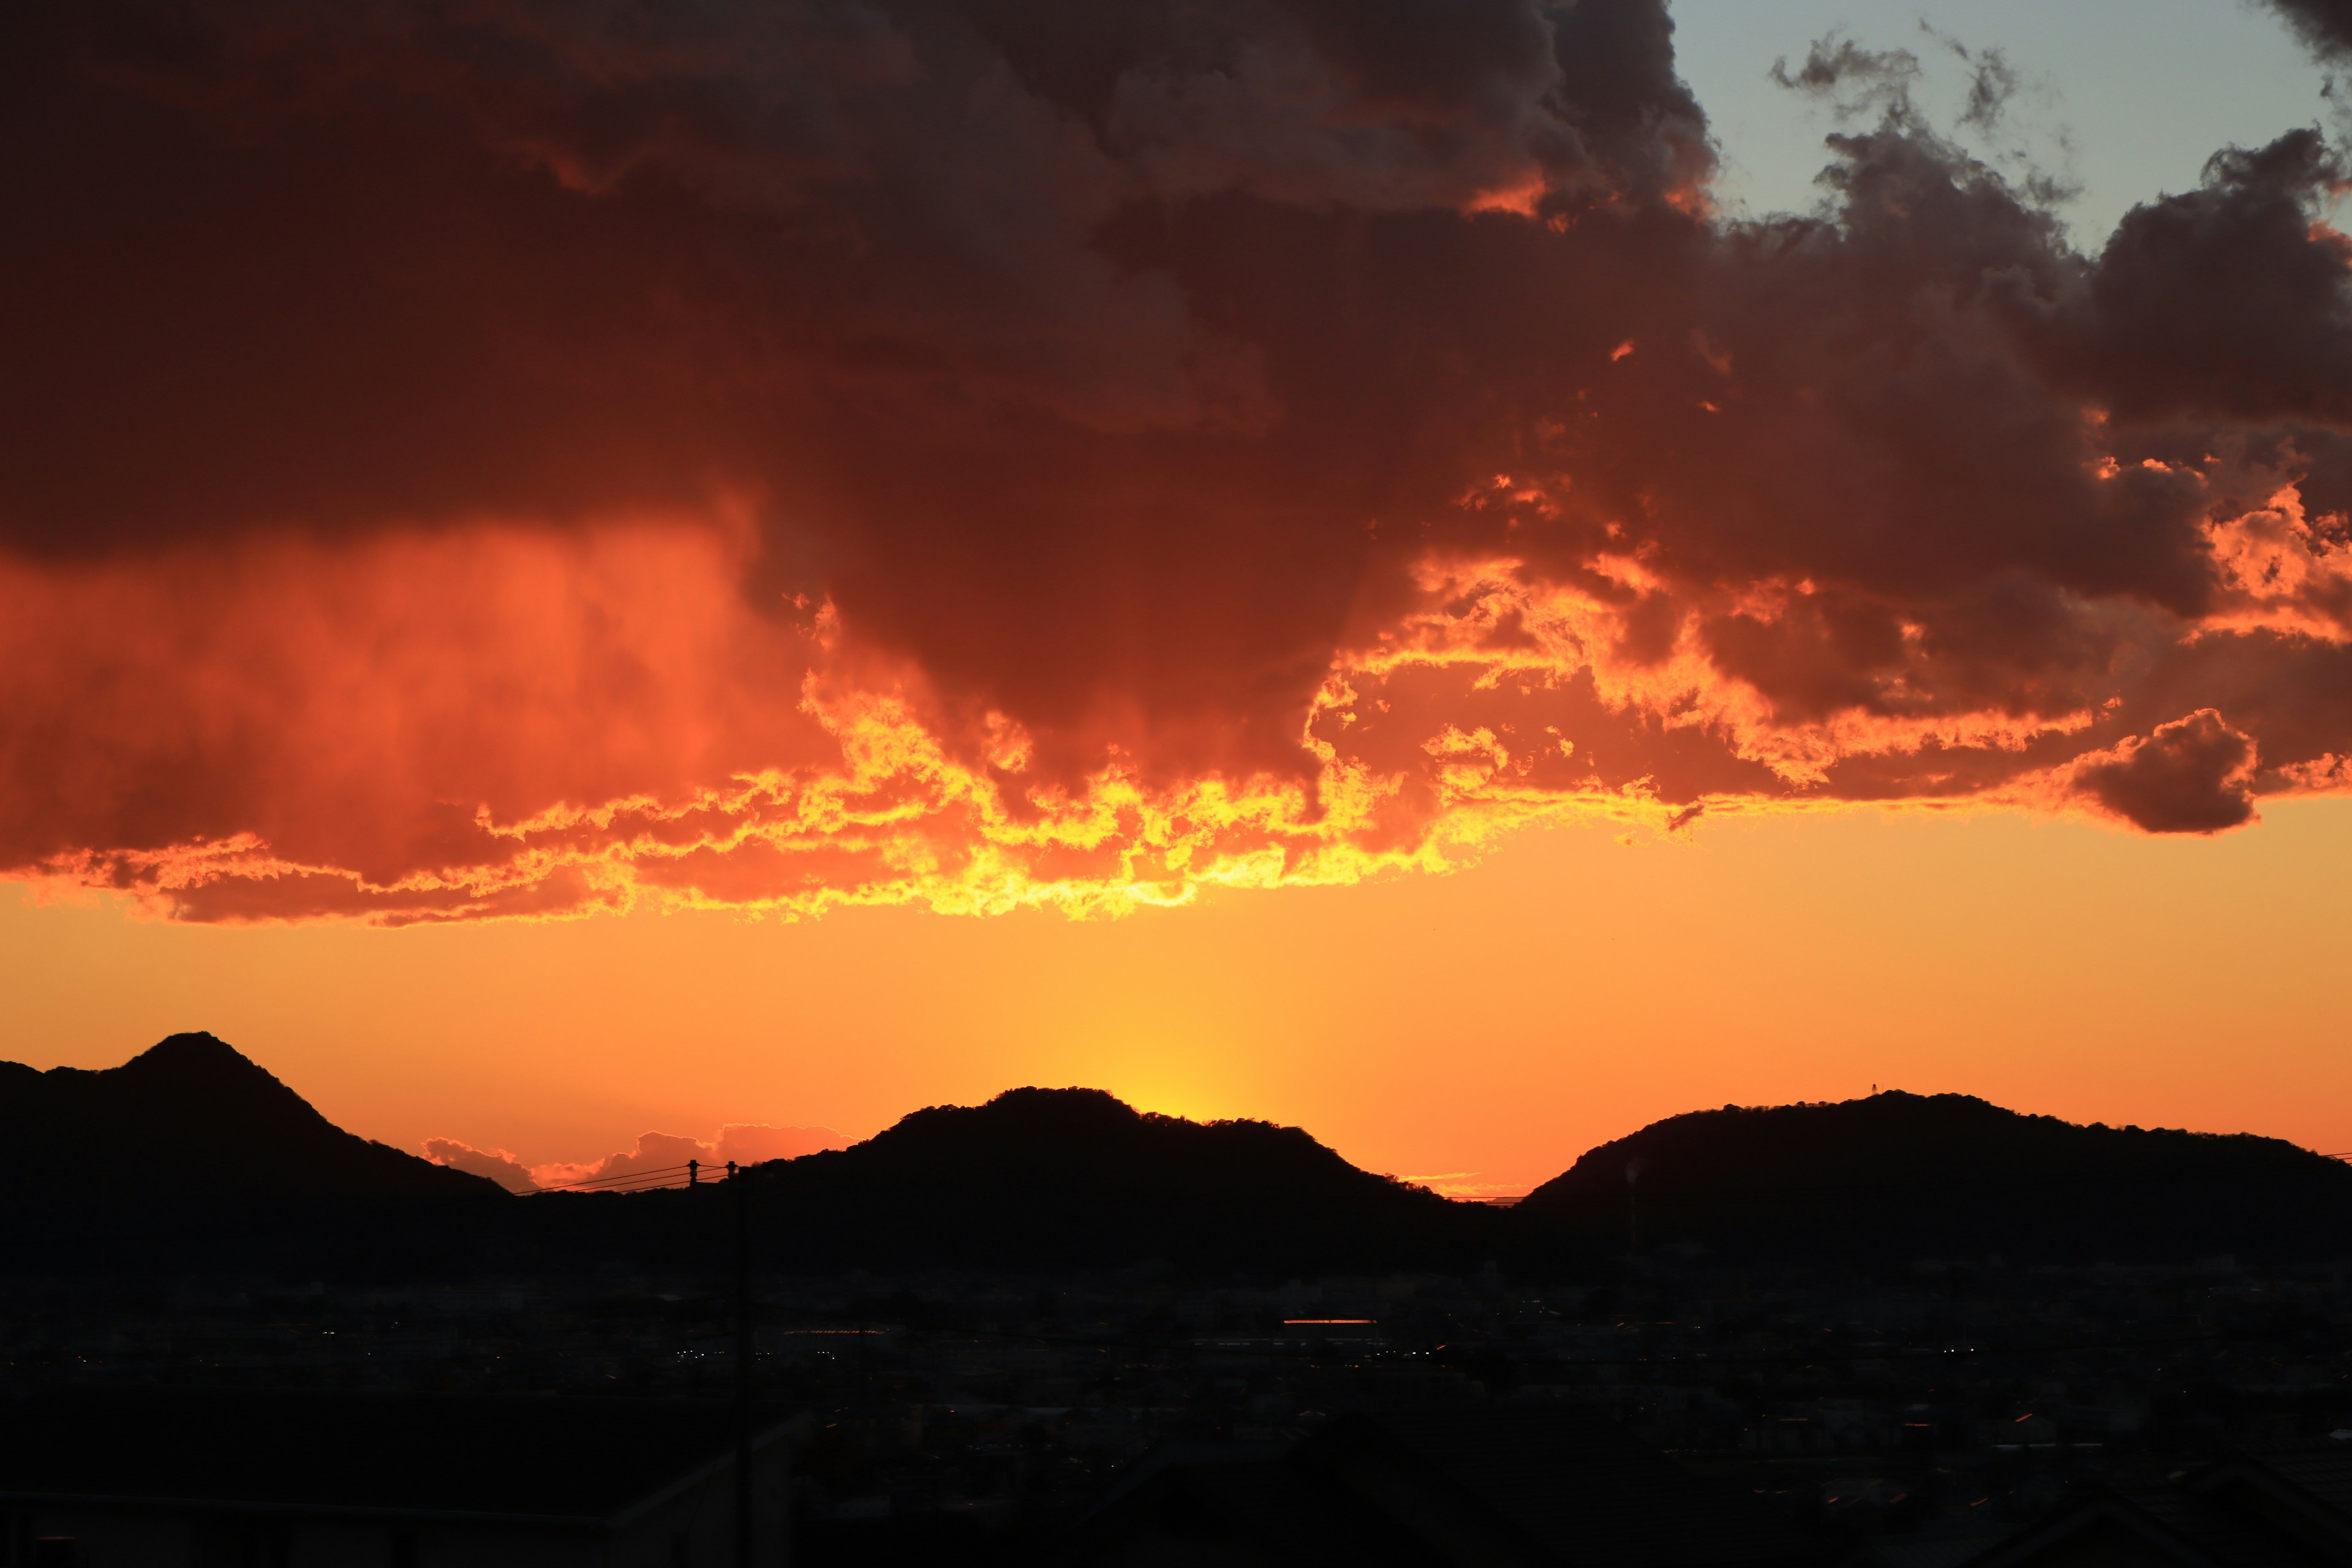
column 1470, row 1184
column 744, row 1143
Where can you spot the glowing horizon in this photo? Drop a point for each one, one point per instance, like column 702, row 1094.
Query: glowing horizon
column 1486, row 1022
column 961, row 492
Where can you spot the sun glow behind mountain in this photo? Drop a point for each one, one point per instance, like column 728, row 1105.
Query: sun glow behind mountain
column 514, row 467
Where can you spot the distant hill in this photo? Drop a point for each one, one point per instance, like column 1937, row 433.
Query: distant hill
column 198, row 1158
column 1905, row 1176
column 191, row 1120
column 1074, row 1175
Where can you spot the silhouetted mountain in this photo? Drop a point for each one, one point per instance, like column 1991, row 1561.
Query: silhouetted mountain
column 197, row 1157
column 1074, row 1175
column 191, row 1120
column 1904, row 1176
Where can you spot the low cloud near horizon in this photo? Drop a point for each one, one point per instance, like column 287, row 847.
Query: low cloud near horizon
column 1471, row 1185
column 748, row 1143
column 521, row 460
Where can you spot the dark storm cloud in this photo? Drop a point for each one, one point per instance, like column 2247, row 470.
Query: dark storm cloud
column 2224, row 303
column 2326, row 25
column 2189, row 776
column 335, row 270
column 498, row 457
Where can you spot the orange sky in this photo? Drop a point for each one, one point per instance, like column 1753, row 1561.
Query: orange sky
column 1497, row 1021
column 982, row 477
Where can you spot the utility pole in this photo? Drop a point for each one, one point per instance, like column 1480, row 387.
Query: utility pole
column 1632, row 1214
column 741, row 1181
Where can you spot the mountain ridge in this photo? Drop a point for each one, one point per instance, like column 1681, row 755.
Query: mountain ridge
column 1872, row 1176
column 1058, row 1174
column 1055, row 1177
column 189, row 1118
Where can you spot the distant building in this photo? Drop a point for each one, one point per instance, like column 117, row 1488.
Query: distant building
column 2284, row 1509
column 241, row 1479
column 1511, row 1488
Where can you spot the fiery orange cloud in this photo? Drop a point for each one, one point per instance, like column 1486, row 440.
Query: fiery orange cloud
column 510, row 462
column 499, row 722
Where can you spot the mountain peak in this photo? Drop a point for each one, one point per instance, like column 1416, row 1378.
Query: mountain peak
column 1098, row 1101
column 1065, row 1107
column 194, row 1051
column 190, row 1115
column 1062, row 1174
column 1030, row 1120
column 191, row 1043
column 210, row 1076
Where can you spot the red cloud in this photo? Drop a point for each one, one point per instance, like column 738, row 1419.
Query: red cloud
column 515, row 461
column 500, row 1165
column 2189, row 776
column 656, row 1153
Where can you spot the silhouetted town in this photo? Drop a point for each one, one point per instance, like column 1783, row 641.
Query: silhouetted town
column 1626, row 1400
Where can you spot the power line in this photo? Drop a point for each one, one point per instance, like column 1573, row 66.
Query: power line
column 664, row 1175
column 693, row 1173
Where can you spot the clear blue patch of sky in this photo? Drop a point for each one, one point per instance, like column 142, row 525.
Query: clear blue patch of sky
column 2123, row 98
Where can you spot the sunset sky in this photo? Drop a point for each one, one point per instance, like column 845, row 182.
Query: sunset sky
column 1453, row 575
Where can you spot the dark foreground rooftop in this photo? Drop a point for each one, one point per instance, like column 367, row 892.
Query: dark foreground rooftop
column 1535, row 1486
column 585, row 1460
column 2283, row 1508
